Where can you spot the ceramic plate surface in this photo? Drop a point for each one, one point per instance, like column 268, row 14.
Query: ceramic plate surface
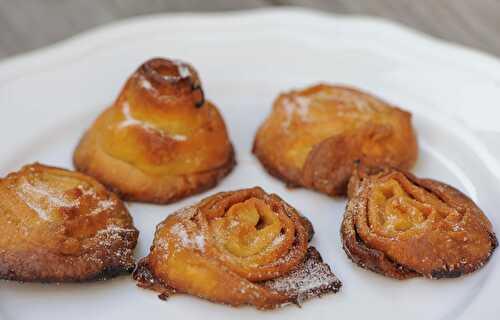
column 49, row 97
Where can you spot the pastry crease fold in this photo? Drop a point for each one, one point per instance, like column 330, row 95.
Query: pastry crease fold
column 402, row 226
column 313, row 137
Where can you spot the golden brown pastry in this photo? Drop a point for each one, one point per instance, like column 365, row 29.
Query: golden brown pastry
column 401, row 226
column 160, row 140
column 243, row 247
column 61, row 226
column 313, row 136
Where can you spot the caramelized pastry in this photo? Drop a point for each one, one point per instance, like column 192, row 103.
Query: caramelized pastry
column 312, row 137
column 244, row 247
column 61, row 226
column 401, row 226
column 160, row 140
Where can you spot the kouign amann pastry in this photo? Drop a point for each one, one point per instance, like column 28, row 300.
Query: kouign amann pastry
column 401, row 226
column 312, row 137
column 62, row 226
column 160, row 140
column 243, row 247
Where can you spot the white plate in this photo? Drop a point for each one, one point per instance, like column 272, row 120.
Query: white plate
column 48, row 98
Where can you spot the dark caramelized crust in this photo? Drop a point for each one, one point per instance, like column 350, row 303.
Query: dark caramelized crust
column 242, row 247
column 161, row 140
column 311, row 278
column 401, row 226
column 313, row 137
column 62, row 226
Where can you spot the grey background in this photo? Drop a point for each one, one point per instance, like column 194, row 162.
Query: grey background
column 29, row 24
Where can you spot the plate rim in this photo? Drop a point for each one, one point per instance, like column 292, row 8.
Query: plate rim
column 290, row 13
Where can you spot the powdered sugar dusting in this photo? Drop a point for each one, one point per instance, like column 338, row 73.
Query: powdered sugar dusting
column 310, row 279
column 197, row 241
column 279, row 239
column 111, row 228
column 303, row 104
column 186, row 227
column 178, row 137
column 41, row 212
column 112, row 234
column 183, row 69
column 179, row 231
column 296, row 106
column 143, row 82
column 131, row 121
column 353, row 100
column 43, row 200
column 103, row 205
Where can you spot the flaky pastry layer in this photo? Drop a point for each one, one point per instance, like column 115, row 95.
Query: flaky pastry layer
column 402, row 226
column 313, row 137
column 243, row 247
column 160, row 140
column 62, row 226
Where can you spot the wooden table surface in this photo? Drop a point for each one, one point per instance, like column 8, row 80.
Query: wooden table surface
column 30, row 24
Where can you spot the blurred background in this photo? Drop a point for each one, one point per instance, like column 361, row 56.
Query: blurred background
column 30, row 24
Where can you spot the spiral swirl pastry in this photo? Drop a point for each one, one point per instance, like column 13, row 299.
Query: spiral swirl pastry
column 240, row 247
column 161, row 140
column 401, row 226
column 62, row 226
column 313, row 137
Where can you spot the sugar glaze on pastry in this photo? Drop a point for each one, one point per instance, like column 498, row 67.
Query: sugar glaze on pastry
column 402, row 226
column 243, row 247
column 161, row 140
column 313, row 136
column 62, row 226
